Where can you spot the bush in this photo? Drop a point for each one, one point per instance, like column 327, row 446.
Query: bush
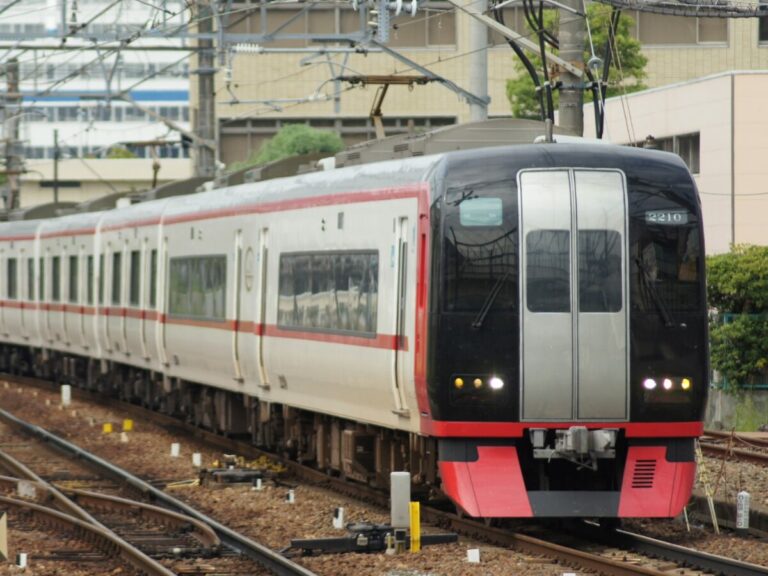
column 292, row 140
column 738, row 286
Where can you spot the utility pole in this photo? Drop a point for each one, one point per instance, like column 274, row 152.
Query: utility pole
column 478, row 61
column 572, row 35
column 56, row 166
column 205, row 119
column 13, row 160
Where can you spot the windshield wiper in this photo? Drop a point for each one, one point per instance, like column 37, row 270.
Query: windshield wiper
column 478, row 321
column 657, row 300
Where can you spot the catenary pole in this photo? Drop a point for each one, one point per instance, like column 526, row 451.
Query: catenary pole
column 572, row 36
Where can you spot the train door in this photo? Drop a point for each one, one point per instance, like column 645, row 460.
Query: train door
column 236, row 295
column 104, row 295
column 261, row 308
column 574, row 321
column 399, row 367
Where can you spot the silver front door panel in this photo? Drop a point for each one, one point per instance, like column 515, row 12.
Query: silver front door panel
column 602, row 334
column 574, row 345
column 547, row 343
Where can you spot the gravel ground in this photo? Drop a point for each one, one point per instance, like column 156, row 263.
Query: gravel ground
column 266, row 517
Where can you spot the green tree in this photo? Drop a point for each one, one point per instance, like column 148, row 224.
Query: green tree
column 119, row 153
column 626, row 74
column 292, row 140
column 738, row 290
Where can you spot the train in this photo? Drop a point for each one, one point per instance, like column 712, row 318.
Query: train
column 522, row 327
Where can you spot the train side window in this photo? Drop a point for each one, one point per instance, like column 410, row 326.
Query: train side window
column 74, row 278
column 133, row 296
column 102, row 274
column 41, row 280
column 117, row 261
column 89, row 280
column 12, row 279
column 153, row 279
column 56, row 279
column 30, row 278
column 197, row 287
column 548, row 272
column 599, row 271
column 333, row 291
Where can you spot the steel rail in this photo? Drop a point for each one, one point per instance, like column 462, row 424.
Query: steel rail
column 758, row 458
column 686, row 556
column 200, row 531
column 269, row 559
column 111, row 543
column 760, row 442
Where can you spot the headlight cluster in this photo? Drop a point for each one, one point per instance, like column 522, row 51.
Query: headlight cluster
column 667, row 383
column 478, row 390
column 494, row 382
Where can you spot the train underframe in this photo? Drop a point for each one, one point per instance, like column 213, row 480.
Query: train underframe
column 648, row 477
column 341, row 447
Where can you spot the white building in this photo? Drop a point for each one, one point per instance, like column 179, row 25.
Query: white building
column 717, row 125
column 62, row 94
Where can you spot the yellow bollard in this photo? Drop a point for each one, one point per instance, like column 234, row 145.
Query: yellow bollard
column 127, row 425
column 415, row 527
column 107, row 428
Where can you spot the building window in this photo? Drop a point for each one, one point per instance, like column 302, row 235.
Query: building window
column 762, row 26
column 335, row 291
column 12, row 279
column 685, row 145
column 662, row 29
column 133, row 296
column 198, row 287
column 74, row 278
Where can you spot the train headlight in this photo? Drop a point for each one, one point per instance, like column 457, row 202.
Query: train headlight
column 496, row 383
column 667, row 384
column 459, row 383
column 649, row 384
column 477, row 382
column 686, row 384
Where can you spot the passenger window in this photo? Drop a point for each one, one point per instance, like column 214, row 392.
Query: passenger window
column 73, row 279
column 12, row 279
column 153, row 279
column 329, row 291
column 117, row 261
column 548, row 271
column 89, row 280
column 133, row 296
column 56, row 279
column 599, row 271
column 30, row 278
column 102, row 274
column 41, row 287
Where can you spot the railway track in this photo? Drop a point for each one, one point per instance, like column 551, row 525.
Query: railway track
column 610, row 558
column 110, row 521
column 754, row 450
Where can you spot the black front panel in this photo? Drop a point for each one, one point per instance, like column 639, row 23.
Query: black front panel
column 668, row 302
column 474, row 322
column 476, row 372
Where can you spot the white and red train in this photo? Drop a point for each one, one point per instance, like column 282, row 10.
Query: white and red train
column 521, row 327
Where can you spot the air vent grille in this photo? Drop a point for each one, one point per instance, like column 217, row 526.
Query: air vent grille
column 645, row 472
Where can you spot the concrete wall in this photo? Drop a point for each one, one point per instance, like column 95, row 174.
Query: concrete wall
column 745, row 411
